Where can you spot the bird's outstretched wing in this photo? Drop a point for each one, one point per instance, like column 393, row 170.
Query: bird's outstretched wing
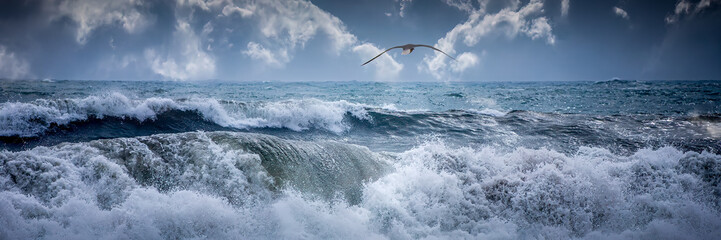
column 428, row 46
column 380, row 54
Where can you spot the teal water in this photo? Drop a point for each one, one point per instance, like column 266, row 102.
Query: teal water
column 611, row 159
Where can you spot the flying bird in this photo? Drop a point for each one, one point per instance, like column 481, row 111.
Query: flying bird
column 407, row 49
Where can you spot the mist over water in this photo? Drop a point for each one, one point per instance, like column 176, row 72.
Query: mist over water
column 587, row 160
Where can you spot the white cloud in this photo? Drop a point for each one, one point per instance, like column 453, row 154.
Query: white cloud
column 463, row 5
column 230, row 9
column 185, row 60
column 438, row 67
column 225, row 7
column 620, row 12
column 287, row 25
column 509, row 21
column 703, row 4
column 207, row 29
column 386, row 67
column 404, row 5
column 11, row 66
column 283, row 27
column 565, row 5
column 540, row 29
column 258, row 52
column 89, row 15
column 294, row 22
column 684, row 7
column 465, row 61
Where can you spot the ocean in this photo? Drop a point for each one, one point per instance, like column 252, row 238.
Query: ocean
column 614, row 159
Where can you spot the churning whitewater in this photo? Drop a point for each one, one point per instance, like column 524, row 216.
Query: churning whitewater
column 169, row 160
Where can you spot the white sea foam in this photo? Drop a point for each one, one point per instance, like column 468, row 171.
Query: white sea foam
column 33, row 118
column 301, row 115
column 205, row 185
column 491, row 112
column 485, row 102
column 652, row 194
column 36, row 117
column 394, row 108
column 713, row 129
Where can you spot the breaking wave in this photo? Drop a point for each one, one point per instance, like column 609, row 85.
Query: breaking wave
column 48, row 122
column 32, row 119
column 243, row 185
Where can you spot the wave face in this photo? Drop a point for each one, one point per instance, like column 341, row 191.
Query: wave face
column 169, row 160
column 231, row 185
column 123, row 181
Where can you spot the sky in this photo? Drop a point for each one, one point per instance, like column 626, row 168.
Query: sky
column 328, row 40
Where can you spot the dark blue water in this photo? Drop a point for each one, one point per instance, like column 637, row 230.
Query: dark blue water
column 612, row 159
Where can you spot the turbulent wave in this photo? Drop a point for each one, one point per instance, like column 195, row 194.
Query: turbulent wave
column 484, row 193
column 242, row 185
column 45, row 122
column 171, row 160
column 197, row 160
column 35, row 118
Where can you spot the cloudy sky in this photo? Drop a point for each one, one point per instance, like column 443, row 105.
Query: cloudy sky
column 327, row 40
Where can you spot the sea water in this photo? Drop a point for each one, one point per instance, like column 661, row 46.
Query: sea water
column 360, row 160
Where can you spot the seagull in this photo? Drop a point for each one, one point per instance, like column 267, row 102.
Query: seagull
column 407, row 49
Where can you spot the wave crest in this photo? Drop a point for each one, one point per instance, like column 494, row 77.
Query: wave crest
column 34, row 118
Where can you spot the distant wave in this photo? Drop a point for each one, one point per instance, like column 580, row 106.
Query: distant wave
column 455, row 94
column 238, row 185
column 617, row 81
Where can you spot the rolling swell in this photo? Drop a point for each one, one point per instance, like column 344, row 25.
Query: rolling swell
column 622, row 134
